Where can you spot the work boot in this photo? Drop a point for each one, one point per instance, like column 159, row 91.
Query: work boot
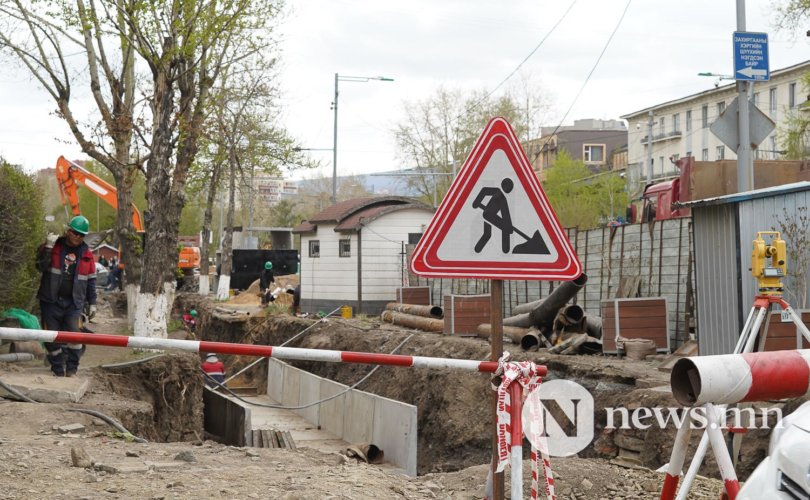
column 70, row 374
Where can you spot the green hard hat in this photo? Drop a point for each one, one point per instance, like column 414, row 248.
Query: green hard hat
column 193, row 312
column 80, row 224
column 268, row 265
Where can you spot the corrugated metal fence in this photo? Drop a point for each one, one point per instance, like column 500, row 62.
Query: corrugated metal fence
column 634, row 260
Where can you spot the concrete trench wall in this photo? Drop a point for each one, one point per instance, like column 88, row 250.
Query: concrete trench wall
column 355, row 416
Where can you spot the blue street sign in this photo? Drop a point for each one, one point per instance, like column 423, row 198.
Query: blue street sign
column 751, row 56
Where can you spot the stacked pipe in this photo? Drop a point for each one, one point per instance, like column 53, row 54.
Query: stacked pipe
column 428, row 318
column 534, row 322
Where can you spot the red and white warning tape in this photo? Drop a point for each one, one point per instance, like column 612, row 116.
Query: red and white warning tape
column 518, row 380
column 251, row 350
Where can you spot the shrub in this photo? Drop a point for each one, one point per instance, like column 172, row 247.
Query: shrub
column 21, row 232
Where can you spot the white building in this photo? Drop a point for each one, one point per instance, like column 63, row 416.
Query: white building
column 353, row 252
column 681, row 127
column 265, row 190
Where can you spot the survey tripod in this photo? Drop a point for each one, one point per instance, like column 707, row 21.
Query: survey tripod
column 768, row 266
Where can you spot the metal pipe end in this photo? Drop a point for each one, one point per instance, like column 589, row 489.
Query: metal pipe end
column 685, row 382
column 529, row 341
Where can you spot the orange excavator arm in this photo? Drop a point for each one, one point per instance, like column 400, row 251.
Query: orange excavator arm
column 70, row 175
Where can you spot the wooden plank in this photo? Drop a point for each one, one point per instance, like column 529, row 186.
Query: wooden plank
column 288, row 437
column 257, row 438
column 648, row 322
column 267, row 439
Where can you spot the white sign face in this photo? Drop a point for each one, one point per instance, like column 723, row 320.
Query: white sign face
column 495, row 221
column 475, row 239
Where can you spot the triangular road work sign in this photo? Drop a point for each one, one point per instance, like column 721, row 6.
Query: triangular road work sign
column 495, row 221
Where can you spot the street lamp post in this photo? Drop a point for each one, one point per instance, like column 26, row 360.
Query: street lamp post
column 339, row 78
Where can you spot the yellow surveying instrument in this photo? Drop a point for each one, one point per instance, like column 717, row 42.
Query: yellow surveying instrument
column 769, row 277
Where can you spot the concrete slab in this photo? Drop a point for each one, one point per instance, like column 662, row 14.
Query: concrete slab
column 275, row 378
column 292, row 387
column 310, row 393
column 332, row 410
column 40, row 385
column 358, row 428
column 395, row 432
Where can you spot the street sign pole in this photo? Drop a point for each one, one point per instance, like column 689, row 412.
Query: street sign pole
column 496, row 343
column 745, row 171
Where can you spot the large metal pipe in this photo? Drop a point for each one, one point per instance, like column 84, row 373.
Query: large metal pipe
column 565, row 285
column 543, row 314
column 526, row 338
column 735, row 378
column 521, row 320
column 416, row 309
column 593, row 326
column 411, row 321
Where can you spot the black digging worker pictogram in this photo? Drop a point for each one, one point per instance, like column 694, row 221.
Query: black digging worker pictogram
column 496, row 213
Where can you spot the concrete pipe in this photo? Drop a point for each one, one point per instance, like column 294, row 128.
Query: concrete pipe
column 521, row 320
column 411, row 321
column 16, row 356
column 735, row 378
column 416, row 309
column 543, row 314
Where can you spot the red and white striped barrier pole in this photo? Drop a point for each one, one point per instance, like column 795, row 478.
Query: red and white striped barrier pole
column 676, row 460
column 266, row 351
column 736, row 378
column 516, row 463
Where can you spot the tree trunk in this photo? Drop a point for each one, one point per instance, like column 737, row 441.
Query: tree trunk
column 206, row 231
column 223, row 287
column 128, row 239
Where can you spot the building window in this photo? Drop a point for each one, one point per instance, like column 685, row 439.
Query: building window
column 755, row 100
column 676, row 123
column 772, row 97
column 721, row 152
column 688, row 120
column 721, row 106
column 704, row 116
column 413, row 238
column 792, row 95
column 314, row 248
column 704, row 155
column 593, row 153
column 345, row 248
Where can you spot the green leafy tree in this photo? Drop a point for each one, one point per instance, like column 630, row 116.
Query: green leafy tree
column 21, row 232
column 580, row 198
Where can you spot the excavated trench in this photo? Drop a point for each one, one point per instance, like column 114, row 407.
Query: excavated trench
column 453, row 413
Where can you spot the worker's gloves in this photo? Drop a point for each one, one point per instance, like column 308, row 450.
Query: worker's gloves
column 50, row 240
column 91, row 313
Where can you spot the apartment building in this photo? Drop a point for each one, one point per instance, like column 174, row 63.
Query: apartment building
column 681, row 127
column 266, row 190
column 589, row 140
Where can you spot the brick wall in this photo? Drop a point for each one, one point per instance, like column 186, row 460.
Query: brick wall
column 463, row 313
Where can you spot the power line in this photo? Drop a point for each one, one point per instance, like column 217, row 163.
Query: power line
column 510, row 75
column 587, row 78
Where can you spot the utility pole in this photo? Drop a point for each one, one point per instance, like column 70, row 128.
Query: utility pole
column 649, row 148
column 745, row 178
column 334, row 145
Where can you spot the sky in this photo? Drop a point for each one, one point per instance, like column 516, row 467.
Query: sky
column 654, row 56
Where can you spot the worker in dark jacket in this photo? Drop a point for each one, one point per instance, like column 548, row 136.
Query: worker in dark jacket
column 68, row 283
column 265, row 280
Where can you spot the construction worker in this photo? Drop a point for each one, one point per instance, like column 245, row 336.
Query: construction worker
column 215, row 370
column 264, row 283
column 68, row 283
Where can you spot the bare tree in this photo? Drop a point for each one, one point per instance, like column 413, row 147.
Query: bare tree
column 44, row 45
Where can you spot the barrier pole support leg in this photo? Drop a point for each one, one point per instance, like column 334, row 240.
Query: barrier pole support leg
column 721, row 456
column 515, row 395
column 694, row 466
column 677, row 458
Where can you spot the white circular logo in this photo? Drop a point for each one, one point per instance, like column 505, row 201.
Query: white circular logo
column 558, row 418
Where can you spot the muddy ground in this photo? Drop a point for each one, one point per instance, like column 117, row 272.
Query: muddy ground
column 160, row 399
